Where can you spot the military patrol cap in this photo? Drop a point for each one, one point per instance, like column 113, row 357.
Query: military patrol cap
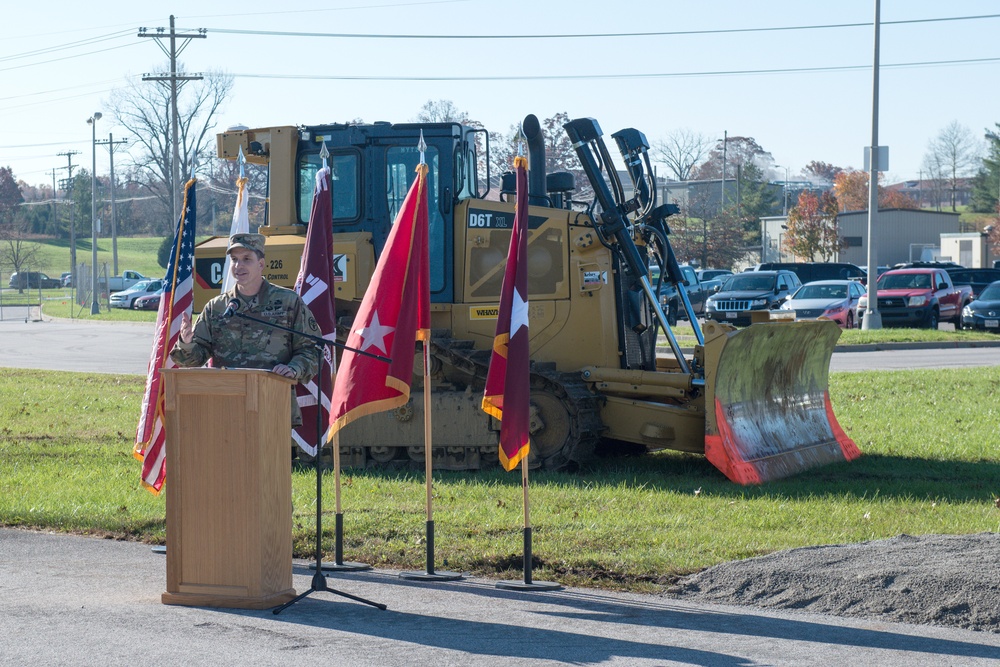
column 253, row 242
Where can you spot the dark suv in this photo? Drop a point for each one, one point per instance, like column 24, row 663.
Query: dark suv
column 812, row 271
column 748, row 291
column 32, row 280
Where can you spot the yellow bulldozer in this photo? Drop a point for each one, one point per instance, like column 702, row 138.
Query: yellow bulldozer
column 754, row 401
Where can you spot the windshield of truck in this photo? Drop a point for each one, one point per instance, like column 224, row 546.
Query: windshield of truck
column 904, row 281
column 749, row 282
column 346, row 185
column 822, row 292
column 401, row 163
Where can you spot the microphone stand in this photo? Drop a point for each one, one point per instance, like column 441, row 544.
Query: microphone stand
column 319, row 584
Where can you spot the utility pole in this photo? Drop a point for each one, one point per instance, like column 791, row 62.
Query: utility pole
column 55, row 220
column 175, row 82
column 112, row 144
column 72, row 211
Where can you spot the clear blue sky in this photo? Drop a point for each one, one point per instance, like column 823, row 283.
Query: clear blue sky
column 797, row 116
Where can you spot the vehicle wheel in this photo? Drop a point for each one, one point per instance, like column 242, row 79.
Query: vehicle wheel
column 672, row 315
column 850, row 321
column 932, row 320
column 957, row 320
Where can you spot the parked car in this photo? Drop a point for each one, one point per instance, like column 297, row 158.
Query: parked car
column 121, row 283
column 977, row 279
column 743, row 293
column 148, row 302
column 812, row 271
column 713, row 274
column 669, row 298
column 125, row 298
column 66, row 279
column 835, row 300
column 984, row 312
column 918, row 297
column 32, row 280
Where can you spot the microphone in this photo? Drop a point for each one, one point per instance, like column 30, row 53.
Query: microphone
column 234, row 306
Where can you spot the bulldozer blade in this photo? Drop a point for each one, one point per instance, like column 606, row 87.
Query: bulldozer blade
column 768, row 412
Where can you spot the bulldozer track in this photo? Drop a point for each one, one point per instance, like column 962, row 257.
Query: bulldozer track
column 582, row 407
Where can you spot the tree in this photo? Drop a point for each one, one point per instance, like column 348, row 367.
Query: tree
column 16, row 248
column 143, row 109
column 812, row 227
column 953, row 155
column 756, row 198
column 986, row 183
column 559, row 152
column 734, row 153
column 681, row 151
column 442, row 111
column 821, row 171
column 704, row 234
column 851, row 190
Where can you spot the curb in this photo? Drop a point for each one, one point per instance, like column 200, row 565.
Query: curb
column 942, row 345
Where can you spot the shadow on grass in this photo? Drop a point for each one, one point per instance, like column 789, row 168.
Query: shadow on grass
column 871, row 475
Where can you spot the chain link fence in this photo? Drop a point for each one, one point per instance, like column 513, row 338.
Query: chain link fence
column 27, row 301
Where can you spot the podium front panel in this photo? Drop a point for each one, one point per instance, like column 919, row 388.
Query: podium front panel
column 228, row 488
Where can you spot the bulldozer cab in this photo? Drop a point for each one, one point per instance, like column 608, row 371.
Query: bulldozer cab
column 373, row 167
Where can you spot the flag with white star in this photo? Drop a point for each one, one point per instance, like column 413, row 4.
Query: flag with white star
column 395, row 313
column 177, row 298
column 508, row 383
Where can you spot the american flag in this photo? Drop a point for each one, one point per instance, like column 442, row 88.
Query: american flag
column 177, row 298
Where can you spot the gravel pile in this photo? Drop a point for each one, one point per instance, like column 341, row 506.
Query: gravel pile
column 951, row 580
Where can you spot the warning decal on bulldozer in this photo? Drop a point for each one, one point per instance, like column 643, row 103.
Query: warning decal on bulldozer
column 484, row 312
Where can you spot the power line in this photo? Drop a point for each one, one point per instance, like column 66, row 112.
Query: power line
column 328, row 9
column 663, row 33
column 55, row 60
column 580, row 77
column 68, row 45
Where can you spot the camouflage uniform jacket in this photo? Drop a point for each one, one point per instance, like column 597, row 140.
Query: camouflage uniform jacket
column 240, row 343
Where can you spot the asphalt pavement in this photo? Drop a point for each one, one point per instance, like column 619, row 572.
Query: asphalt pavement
column 70, row 600
column 116, row 347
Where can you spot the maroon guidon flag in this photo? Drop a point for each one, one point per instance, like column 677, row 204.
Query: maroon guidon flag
column 506, row 396
column 315, row 285
column 177, row 298
column 394, row 314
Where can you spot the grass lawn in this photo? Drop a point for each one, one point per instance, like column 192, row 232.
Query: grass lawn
column 930, row 466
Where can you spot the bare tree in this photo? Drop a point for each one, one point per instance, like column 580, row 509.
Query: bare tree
column 681, row 151
column 143, row 109
column 954, row 154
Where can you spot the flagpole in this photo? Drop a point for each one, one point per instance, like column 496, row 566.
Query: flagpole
column 338, row 564
column 429, row 574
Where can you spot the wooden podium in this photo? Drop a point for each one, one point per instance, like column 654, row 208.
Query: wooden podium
column 229, row 488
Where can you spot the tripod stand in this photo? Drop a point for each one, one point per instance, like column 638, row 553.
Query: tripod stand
column 318, row 584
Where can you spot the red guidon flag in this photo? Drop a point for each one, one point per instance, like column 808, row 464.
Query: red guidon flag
column 394, row 314
column 507, row 382
column 315, row 285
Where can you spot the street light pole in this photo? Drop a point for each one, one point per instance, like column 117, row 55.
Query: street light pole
column 873, row 318
column 95, row 307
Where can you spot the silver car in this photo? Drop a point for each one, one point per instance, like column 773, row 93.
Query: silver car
column 126, row 298
column 835, row 300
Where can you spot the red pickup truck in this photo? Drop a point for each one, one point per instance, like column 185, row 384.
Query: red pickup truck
column 918, row 298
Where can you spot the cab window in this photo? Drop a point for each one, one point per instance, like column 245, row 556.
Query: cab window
column 401, row 164
column 346, row 185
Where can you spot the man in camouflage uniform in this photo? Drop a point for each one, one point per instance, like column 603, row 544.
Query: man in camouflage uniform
column 239, row 343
